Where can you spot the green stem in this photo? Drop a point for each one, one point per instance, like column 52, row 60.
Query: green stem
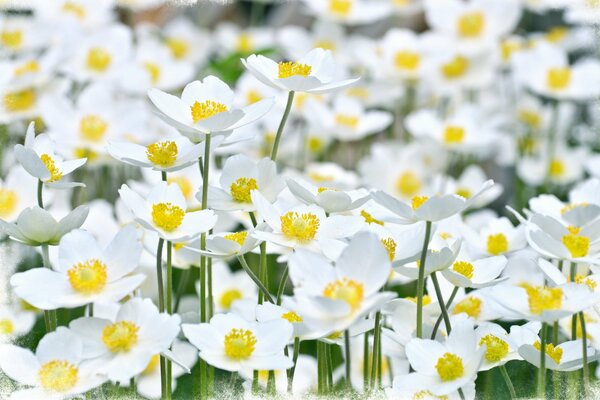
column 169, row 308
column 271, row 390
column 161, row 308
column 375, row 352
column 509, row 384
column 366, row 361
column 210, row 300
column 292, row 370
column 282, row 283
column 552, row 129
column 421, row 280
column 50, row 318
column 286, row 114
column 542, row 370
column 262, row 271
column 40, row 198
column 254, row 278
column 440, row 298
column 320, row 369
column 348, row 360
column 448, row 304
column 329, row 363
column 185, row 275
column 572, row 273
column 586, row 372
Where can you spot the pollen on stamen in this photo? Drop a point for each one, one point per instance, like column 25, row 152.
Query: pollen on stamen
column 390, row 247
column 206, row 109
column 58, row 375
column 407, row 60
column 229, row 296
column 470, row 305
column 347, row 290
column 558, row 78
column 340, row 7
column 239, row 343
column 418, row 201
column 408, row 184
column 456, row 68
column 555, row 353
column 21, row 100
column 9, row 200
column 93, row 127
column 464, row 268
column 88, row 277
column 450, row 367
column 348, row 121
column 454, row 134
column 542, row 298
column 369, row 219
column 120, row 336
column 496, row 348
column 471, row 25
column 241, row 189
column 290, row 68
column 292, row 317
column 55, row 173
column 238, row 237
column 164, row 154
column 167, row 216
column 300, row 227
column 98, row 59
column 497, row 244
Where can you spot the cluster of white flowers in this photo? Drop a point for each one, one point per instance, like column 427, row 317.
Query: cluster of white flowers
column 302, row 210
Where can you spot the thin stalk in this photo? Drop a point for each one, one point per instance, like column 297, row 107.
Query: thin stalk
column 282, row 283
column 348, row 360
column 421, row 280
column 366, row 361
column 374, row 358
column 292, row 370
column 50, row 318
column 209, row 284
column 448, row 304
column 320, row 357
column 169, row 308
column 329, row 363
column 40, row 198
column 586, row 371
column 161, row 307
column 262, row 269
column 509, row 384
column 271, row 383
column 185, row 275
column 255, row 279
column 572, row 272
column 440, row 298
column 284, row 118
column 542, row 370
column 552, row 129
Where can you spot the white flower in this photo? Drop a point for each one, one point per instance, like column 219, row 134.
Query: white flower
column 17, row 191
column 305, row 377
column 85, row 272
column 36, row 226
column 205, row 107
column 567, row 356
column 167, row 155
column 164, row 211
column 330, row 199
column 240, row 177
column 334, row 297
column 351, row 12
column 494, row 236
column 313, row 73
column 229, row 287
column 302, row 330
column 303, row 226
column 14, row 322
column 475, row 273
column 121, row 347
column 227, row 244
column 38, row 157
column 447, row 366
column 500, row 347
column 232, row 343
column 56, row 371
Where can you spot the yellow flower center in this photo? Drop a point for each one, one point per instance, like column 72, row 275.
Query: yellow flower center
column 9, row 199
column 167, row 216
column 456, row 68
column 239, row 343
column 508, row 48
column 464, row 192
column 21, row 100
column 426, row 299
column 184, row 184
column 358, row 92
column 55, row 173
column 470, row 305
column 27, row 68
column 253, row 96
column 347, row 290
column 407, row 60
column 152, row 364
column 324, row 44
column 98, row 59
column 450, row 367
column 570, row 207
column 418, row 201
column 75, row 9
column 317, row 177
column 6, row 326
column 558, row 78
column 153, row 70
column 577, row 245
column 496, row 348
column 88, row 277
column 92, row 127
column 464, row 268
column 58, row 375
column 242, row 188
column 245, row 43
column 292, row 317
column 470, row 25
column 301, row 227
column 530, row 117
column 427, row 395
column 228, row 297
column 390, row 246
column 340, row 7
column 120, row 336
column 206, row 109
column 163, row 154
column 586, row 280
column 179, row 47
column 542, row 298
column 346, row 120
column 557, row 34
column 454, row 134
column 369, row 219
column 408, row 184
column 315, row 144
column 12, row 39
column 238, row 237
column 557, row 168
column 446, row 235
column 497, row 244
column 288, row 69
column 555, row 353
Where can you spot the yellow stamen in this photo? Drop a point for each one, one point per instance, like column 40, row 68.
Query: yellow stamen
column 369, row 219
column 464, row 268
column 98, row 59
column 179, row 47
column 75, row 9
column 454, row 134
column 497, row 348
column 390, row 247
column 167, row 216
column 497, row 244
column 253, row 96
column 300, row 227
column 555, row 353
column 450, row 367
column 530, row 117
column 152, row 364
column 184, row 184
column 464, row 192
column 288, row 69
column 315, row 144
column 120, row 336
column 557, row 34
column 88, row 277
column 426, row 299
column 27, row 68
column 6, row 326
column 577, row 245
column 21, row 100
column 570, row 207
column 456, row 68
column 58, row 375
column 408, row 184
column 418, row 201
column 586, row 280
column 407, row 60
column 470, row 305
column 242, row 188
column 163, row 154
column 228, row 297
column 558, row 78
column 470, row 25
column 292, row 317
column 55, row 173
column 12, row 39
column 324, row 44
column 206, row 109
column 541, row 298
column 340, row 7
column 348, row 121
column 238, row 237
column 239, row 344
column 557, row 168
column 9, row 199
column 154, row 71
column 93, row 127
column 347, row 290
